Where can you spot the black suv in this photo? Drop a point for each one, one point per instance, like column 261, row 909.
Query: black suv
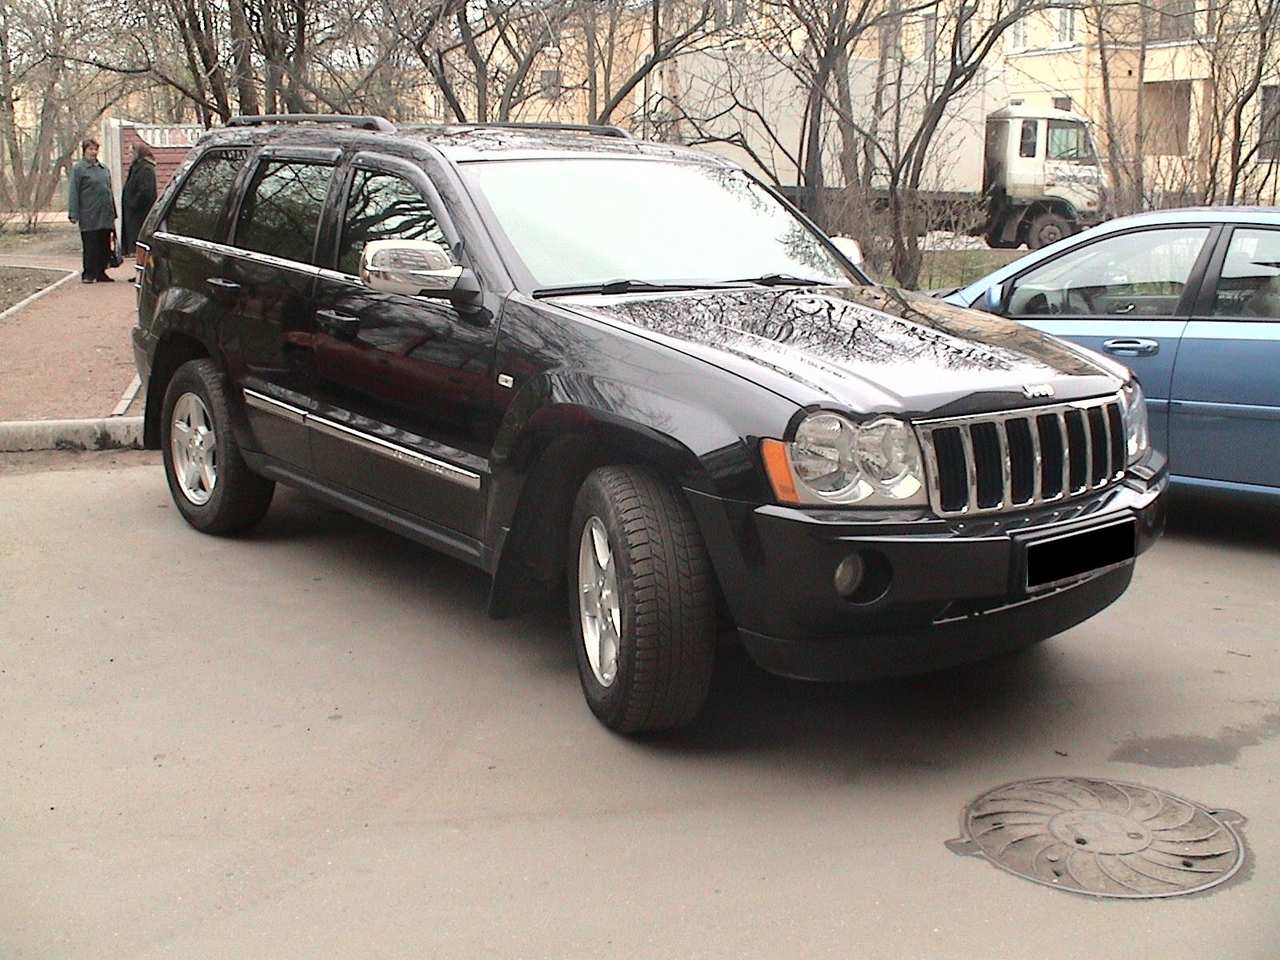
column 632, row 373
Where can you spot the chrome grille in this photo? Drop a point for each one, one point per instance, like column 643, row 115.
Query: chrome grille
column 997, row 462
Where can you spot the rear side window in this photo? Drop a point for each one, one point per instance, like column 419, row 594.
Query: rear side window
column 198, row 206
column 383, row 206
column 281, row 210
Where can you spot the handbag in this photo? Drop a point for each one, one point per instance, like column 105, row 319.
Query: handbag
column 113, row 252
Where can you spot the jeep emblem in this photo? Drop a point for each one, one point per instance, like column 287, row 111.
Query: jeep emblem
column 1037, row 391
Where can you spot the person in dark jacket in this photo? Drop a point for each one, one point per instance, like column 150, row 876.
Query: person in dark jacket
column 138, row 196
column 90, row 205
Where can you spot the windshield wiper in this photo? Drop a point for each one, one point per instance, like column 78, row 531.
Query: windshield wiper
column 783, row 280
column 614, row 287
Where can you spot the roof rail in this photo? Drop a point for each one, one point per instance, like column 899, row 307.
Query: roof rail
column 380, row 124
column 595, row 129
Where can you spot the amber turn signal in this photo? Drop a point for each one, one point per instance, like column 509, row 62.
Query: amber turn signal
column 777, row 467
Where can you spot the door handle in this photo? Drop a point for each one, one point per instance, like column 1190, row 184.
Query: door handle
column 222, row 286
column 1127, row 308
column 341, row 325
column 1131, row 347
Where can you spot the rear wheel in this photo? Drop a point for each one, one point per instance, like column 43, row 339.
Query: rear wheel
column 211, row 485
column 641, row 602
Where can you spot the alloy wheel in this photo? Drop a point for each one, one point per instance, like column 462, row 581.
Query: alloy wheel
column 195, row 449
column 598, row 607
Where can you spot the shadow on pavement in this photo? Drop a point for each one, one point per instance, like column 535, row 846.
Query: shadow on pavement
column 931, row 721
column 1225, row 518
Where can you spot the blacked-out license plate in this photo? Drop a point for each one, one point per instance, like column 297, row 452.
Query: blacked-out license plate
column 1074, row 554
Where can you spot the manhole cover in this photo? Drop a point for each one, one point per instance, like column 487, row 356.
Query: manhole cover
column 1102, row 838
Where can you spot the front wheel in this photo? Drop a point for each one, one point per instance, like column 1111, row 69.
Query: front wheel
column 1048, row 228
column 210, row 483
column 641, row 602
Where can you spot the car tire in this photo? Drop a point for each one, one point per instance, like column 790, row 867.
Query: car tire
column 1048, row 228
column 212, row 487
column 656, row 568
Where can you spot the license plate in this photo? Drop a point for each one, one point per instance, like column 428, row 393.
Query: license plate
column 1075, row 554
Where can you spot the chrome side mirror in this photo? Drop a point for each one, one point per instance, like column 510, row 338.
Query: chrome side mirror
column 850, row 247
column 409, row 267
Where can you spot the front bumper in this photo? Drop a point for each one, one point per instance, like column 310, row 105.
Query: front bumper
column 955, row 590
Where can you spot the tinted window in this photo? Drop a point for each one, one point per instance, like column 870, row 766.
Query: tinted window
column 198, row 206
column 1137, row 274
column 282, row 209
column 1250, row 283
column 383, row 206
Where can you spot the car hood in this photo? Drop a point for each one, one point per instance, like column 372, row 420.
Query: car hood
column 871, row 348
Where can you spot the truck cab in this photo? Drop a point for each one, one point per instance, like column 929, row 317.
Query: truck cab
column 1041, row 176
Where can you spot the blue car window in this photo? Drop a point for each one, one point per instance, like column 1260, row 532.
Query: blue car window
column 1249, row 285
column 1140, row 274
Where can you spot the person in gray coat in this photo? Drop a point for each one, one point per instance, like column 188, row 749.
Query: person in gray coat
column 92, row 207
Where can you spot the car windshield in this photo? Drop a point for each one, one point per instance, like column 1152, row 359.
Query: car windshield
column 588, row 221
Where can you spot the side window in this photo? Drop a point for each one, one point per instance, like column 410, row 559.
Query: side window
column 1249, row 286
column 1067, row 141
column 1027, row 145
column 282, row 207
column 1136, row 274
column 383, row 206
column 198, row 206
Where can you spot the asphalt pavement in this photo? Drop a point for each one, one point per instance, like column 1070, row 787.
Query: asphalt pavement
column 311, row 742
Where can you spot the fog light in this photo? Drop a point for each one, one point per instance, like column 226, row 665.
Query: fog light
column 848, row 576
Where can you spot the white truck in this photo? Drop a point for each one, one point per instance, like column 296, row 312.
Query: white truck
column 1040, row 175
column 1030, row 174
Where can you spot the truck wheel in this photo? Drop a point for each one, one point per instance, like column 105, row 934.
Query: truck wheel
column 211, row 486
column 1048, row 228
column 641, row 602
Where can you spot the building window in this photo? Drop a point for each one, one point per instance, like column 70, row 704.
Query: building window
column 1018, row 34
column 965, row 40
column 1269, row 124
column 1168, row 104
column 1062, row 103
column 891, row 38
column 1175, row 19
column 550, row 84
column 1066, row 25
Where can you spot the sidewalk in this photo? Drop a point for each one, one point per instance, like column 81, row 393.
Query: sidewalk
column 67, row 355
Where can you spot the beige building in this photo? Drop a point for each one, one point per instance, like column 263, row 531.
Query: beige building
column 1162, row 82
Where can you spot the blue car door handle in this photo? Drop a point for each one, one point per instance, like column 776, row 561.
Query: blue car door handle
column 1131, row 347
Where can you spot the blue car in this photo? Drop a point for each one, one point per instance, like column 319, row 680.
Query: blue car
column 1190, row 300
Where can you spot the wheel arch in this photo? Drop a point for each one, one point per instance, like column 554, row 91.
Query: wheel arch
column 1063, row 208
column 540, row 469
column 174, row 349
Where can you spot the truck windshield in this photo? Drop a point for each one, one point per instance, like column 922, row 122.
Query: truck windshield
column 578, row 222
column 1069, row 140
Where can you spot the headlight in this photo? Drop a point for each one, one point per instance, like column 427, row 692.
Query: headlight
column 834, row 460
column 1136, row 432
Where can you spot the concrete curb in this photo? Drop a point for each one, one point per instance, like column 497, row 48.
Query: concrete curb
column 104, row 433
column 67, row 278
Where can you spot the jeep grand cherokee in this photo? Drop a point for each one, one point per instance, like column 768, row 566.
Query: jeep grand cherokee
column 632, row 373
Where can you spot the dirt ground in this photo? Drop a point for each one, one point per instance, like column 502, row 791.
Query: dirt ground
column 18, row 283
